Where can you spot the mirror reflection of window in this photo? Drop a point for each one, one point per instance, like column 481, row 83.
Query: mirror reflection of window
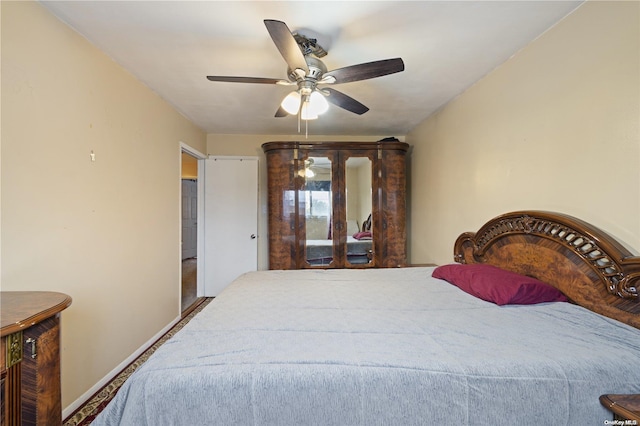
column 318, row 208
column 318, row 199
column 289, row 204
column 359, row 207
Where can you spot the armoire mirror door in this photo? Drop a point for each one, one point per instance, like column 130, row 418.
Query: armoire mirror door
column 317, row 207
column 359, row 210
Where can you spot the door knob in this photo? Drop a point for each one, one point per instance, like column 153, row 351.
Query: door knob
column 253, row 236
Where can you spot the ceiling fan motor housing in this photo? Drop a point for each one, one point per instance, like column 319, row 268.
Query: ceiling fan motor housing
column 309, row 45
column 316, row 69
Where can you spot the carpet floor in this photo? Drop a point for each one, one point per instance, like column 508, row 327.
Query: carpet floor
column 84, row 415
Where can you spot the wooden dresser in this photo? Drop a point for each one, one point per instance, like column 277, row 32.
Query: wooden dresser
column 625, row 408
column 30, row 357
column 337, row 204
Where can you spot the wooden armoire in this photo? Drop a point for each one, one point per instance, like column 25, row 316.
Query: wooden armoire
column 337, row 204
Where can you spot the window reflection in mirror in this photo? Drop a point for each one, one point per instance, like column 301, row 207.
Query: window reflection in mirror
column 359, row 207
column 318, row 208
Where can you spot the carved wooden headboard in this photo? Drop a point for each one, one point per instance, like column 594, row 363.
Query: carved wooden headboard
column 585, row 263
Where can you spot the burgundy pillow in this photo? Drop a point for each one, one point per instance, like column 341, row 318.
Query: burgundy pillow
column 497, row 285
column 362, row 235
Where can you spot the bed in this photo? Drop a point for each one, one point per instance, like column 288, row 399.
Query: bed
column 400, row 347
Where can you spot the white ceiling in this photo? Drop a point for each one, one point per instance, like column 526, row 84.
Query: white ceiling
column 446, row 46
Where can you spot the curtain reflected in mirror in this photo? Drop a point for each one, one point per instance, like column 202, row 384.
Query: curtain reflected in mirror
column 317, row 210
column 359, row 207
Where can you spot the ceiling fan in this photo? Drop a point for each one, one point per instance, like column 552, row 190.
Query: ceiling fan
column 310, row 75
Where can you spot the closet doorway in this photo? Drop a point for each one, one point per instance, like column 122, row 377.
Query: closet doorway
column 190, row 195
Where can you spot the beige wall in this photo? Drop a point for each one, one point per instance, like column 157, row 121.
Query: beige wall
column 251, row 145
column 554, row 128
column 104, row 232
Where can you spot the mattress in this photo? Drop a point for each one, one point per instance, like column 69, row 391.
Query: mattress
column 378, row 347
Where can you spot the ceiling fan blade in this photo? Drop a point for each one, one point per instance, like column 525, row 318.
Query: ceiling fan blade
column 344, row 101
column 366, row 70
column 259, row 80
column 286, row 44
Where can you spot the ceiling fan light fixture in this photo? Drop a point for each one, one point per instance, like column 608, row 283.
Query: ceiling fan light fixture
column 307, row 113
column 291, row 103
column 318, row 103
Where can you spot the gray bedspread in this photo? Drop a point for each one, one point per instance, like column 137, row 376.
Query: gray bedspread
column 378, row 347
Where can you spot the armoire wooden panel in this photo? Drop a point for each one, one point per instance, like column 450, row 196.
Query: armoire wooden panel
column 321, row 194
column 30, row 387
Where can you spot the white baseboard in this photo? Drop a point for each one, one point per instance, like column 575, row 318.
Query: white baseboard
column 67, row 411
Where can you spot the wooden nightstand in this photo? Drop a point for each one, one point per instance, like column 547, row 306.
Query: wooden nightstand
column 30, row 388
column 623, row 407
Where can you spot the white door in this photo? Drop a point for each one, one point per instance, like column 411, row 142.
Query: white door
column 231, row 220
column 189, row 218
